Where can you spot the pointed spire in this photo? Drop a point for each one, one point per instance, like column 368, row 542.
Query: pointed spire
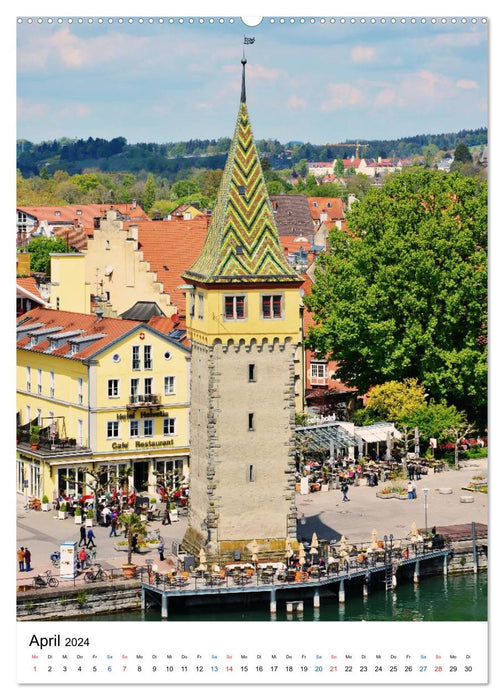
column 242, row 244
column 243, row 94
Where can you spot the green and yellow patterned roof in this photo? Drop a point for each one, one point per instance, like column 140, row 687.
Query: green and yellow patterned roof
column 242, row 243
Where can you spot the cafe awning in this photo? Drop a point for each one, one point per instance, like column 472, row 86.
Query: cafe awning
column 321, row 435
column 376, row 432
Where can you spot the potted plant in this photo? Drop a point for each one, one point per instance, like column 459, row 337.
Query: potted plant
column 78, row 515
column 132, row 525
column 90, row 517
column 45, row 503
column 173, row 512
column 34, row 437
column 63, row 514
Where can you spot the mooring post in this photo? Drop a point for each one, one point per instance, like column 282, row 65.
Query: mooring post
column 416, row 574
column 475, row 548
column 164, row 606
column 273, row 602
column 316, row 598
column 341, row 596
column 445, row 565
column 367, row 579
column 144, row 602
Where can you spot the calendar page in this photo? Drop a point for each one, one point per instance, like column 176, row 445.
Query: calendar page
column 251, row 348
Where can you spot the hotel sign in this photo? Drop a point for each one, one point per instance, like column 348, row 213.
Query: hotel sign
column 143, row 414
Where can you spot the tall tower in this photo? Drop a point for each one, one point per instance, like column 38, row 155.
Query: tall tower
column 243, row 322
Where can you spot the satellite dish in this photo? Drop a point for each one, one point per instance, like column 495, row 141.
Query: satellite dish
column 109, row 270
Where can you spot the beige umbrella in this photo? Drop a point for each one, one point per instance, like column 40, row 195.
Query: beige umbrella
column 414, row 532
column 202, row 561
column 314, row 546
column 374, row 539
column 343, row 551
column 288, row 549
column 301, row 555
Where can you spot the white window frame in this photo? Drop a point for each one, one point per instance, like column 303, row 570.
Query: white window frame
column 51, row 383
column 112, row 429
column 234, row 298
column 271, row 316
column 136, row 364
column 134, row 427
column 146, row 422
column 169, row 426
column 39, row 381
column 148, row 358
column 113, row 390
column 169, row 385
column 80, row 391
column 28, row 378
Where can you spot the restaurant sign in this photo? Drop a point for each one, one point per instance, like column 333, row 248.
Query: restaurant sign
column 143, row 444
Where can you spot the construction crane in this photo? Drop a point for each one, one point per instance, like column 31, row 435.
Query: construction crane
column 356, row 144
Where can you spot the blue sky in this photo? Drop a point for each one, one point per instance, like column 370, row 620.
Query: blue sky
column 318, row 82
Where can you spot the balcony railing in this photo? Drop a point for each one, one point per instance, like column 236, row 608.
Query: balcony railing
column 144, row 400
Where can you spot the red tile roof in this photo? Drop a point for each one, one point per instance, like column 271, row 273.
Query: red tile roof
column 107, row 329
column 332, row 205
column 351, row 163
column 171, row 247
column 88, row 212
column 30, row 285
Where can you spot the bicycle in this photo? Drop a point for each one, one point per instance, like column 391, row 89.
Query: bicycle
column 97, row 574
column 40, row 582
column 55, row 559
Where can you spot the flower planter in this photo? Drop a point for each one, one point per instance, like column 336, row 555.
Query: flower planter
column 62, row 515
column 129, row 570
column 46, row 506
column 384, row 495
column 90, row 522
column 78, row 519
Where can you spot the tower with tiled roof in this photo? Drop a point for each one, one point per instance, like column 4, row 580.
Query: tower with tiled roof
column 243, row 321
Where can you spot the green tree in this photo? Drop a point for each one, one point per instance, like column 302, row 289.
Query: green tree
column 462, row 154
column 149, row 193
column 40, row 250
column 393, row 401
column 132, row 525
column 405, row 295
column 339, row 168
column 441, row 421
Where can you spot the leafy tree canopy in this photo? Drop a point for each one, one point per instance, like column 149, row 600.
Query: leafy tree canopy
column 41, row 249
column 394, row 400
column 404, row 295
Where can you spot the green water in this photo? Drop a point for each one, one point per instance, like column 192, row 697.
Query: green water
column 452, row 598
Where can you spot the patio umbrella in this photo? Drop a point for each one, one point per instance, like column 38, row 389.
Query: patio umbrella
column 301, row 555
column 414, row 532
column 343, row 545
column 314, row 545
column 374, row 539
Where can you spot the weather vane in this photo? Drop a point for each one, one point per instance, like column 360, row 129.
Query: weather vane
column 247, row 40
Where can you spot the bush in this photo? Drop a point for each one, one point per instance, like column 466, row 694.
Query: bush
column 45, row 499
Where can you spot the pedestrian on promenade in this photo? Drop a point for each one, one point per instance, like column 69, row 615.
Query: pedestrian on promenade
column 90, row 540
column 82, row 540
column 414, row 490
column 20, row 558
column 27, row 559
column 161, row 551
column 113, row 523
column 134, row 542
column 344, row 491
column 82, row 557
column 410, row 490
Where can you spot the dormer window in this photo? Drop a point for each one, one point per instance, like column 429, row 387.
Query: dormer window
column 57, row 213
column 241, row 190
column 315, row 204
column 74, row 348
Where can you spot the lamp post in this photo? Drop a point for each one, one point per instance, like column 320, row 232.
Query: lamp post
column 426, row 493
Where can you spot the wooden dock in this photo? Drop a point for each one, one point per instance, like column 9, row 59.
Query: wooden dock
column 160, row 591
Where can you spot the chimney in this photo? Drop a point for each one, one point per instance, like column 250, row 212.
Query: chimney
column 96, row 222
column 133, row 232
column 133, row 203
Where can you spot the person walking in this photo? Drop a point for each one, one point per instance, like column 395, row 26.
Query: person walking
column 21, row 559
column 344, row 491
column 27, row 559
column 90, row 538
column 113, row 523
column 161, row 551
column 134, row 543
column 410, row 490
column 82, row 540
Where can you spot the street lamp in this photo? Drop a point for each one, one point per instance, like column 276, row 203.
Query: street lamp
column 426, row 493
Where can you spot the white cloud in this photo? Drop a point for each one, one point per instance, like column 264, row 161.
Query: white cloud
column 342, row 95
column 466, row 84
column 363, row 54
column 295, row 102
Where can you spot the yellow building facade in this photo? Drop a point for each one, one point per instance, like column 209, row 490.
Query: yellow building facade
column 108, row 396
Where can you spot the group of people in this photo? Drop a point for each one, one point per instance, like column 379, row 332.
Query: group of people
column 411, row 490
column 24, row 559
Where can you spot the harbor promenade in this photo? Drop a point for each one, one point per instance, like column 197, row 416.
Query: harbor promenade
column 323, row 512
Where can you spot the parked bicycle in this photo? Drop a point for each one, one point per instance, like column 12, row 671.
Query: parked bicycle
column 40, row 582
column 96, row 574
column 56, row 559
